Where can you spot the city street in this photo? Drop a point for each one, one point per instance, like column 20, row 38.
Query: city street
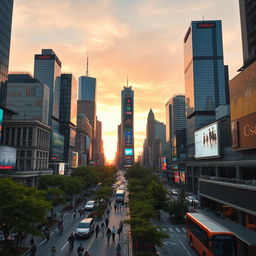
column 95, row 246
column 176, row 244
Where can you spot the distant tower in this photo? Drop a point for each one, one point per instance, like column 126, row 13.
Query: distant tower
column 127, row 126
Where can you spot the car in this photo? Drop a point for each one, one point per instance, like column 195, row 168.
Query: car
column 85, row 228
column 192, row 200
column 90, row 205
column 174, row 192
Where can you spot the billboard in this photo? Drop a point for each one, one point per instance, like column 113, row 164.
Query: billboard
column 128, row 113
column 128, row 152
column 176, row 177
column 74, row 159
column 61, row 168
column 1, row 122
column 244, row 132
column 164, row 163
column 7, row 157
column 128, row 138
column 242, row 92
column 183, row 177
column 72, row 138
column 57, row 146
column 206, row 141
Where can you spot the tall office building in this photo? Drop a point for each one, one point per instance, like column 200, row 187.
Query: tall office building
column 6, row 8
column 204, row 75
column 150, row 128
column 47, row 69
column 68, row 115
column 127, row 126
column 160, row 131
column 175, row 116
column 248, row 24
column 28, row 98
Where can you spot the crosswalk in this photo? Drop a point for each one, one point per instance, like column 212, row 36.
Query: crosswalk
column 172, row 230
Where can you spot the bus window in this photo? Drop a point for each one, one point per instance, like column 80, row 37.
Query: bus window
column 223, row 245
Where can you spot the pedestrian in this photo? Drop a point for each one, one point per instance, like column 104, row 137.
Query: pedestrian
column 115, row 207
column 121, row 225
column 80, row 212
column 102, row 226
column 80, row 250
column 119, row 232
column 74, row 214
column 47, row 233
column 53, row 251
column 32, row 241
column 118, row 250
column 108, row 234
column 109, row 203
column 106, row 222
column 97, row 230
column 108, row 212
column 33, row 250
column 113, row 234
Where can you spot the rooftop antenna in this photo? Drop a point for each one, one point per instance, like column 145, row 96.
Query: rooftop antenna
column 127, row 83
column 203, row 17
column 87, row 64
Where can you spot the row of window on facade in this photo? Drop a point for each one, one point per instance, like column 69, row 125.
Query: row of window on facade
column 30, row 153
column 32, row 164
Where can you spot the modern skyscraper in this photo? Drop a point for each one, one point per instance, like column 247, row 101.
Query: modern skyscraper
column 248, row 25
column 6, row 8
column 28, row 98
column 204, row 75
column 160, row 131
column 175, row 116
column 87, row 88
column 68, row 114
column 127, row 126
column 47, row 69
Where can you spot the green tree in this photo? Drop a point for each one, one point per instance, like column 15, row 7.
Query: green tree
column 21, row 208
column 104, row 192
column 55, row 195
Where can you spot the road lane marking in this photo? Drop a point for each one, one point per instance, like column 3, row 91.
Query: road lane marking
column 184, row 229
column 171, row 229
column 64, row 246
column 42, row 242
column 164, row 229
column 185, row 248
column 177, row 229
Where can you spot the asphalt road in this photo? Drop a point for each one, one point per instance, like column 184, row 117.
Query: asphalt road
column 96, row 247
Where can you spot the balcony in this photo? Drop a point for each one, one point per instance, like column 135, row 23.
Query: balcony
column 239, row 194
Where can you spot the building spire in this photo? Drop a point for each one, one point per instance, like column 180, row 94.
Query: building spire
column 127, row 83
column 87, row 65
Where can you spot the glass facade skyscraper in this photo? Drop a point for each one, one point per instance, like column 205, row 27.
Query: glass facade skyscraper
column 6, row 8
column 47, row 69
column 204, row 75
column 87, row 88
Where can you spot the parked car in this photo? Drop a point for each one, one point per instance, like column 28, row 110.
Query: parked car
column 90, row 205
column 192, row 200
column 85, row 228
column 174, row 192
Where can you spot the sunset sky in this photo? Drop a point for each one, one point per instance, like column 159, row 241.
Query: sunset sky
column 143, row 38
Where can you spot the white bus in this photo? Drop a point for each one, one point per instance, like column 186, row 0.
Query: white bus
column 120, row 196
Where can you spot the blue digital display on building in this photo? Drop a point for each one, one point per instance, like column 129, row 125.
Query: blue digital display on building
column 128, row 152
column 1, row 122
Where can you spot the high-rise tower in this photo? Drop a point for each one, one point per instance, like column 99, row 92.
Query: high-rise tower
column 204, row 75
column 6, row 8
column 127, row 126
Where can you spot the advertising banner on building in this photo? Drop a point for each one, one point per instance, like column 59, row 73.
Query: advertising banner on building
column 176, row 177
column 74, row 159
column 183, row 177
column 244, row 132
column 128, row 113
column 128, row 138
column 57, row 147
column 72, row 137
column 1, row 122
column 128, row 152
column 164, row 163
column 243, row 93
column 61, row 168
column 206, row 142
column 7, row 157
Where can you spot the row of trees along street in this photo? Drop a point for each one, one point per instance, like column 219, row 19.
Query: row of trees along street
column 147, row 197
column 24, row 209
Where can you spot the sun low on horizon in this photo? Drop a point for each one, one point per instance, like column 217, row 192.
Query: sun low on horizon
column 138, row 37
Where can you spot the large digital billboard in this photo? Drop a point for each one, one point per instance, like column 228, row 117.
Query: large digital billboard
column 244, row 132
column 61, row 168
column 128, row 113
column 74, row 159
column 7, row 157
column 1, row 122
column 128, row 152
column 206, row 141
column 242, row 92
column 164, row 163
column 57, row 147
column 128, row 138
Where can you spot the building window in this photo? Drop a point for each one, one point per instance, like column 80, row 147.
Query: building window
column 37, row 153
column 29, row 164
column 24, row 136
column 22, row 153
column 29, row 153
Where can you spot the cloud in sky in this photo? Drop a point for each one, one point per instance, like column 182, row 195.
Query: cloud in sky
column 143, row 38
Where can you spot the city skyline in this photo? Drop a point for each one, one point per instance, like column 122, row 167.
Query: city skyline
column 112, row 40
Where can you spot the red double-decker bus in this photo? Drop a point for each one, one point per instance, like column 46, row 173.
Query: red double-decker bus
column 209, row 238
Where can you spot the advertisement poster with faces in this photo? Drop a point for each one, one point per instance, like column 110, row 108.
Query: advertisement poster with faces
column 206, row 142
